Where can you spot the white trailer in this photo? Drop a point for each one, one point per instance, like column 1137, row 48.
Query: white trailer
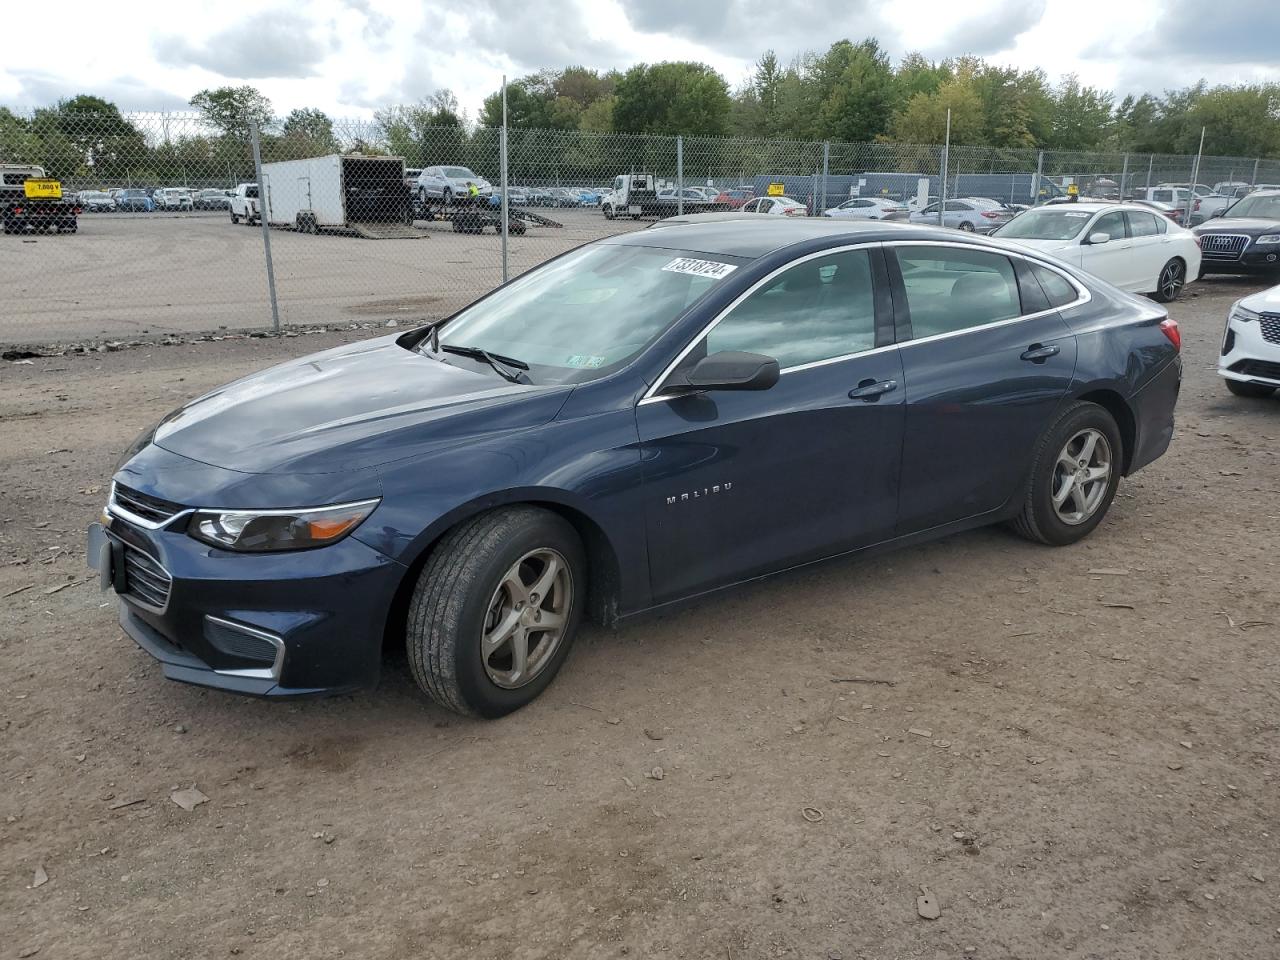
column 358, row 193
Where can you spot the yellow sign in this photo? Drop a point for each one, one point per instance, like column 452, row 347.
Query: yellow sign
column 1072, row 190
column 777, row 189
column 43, row 189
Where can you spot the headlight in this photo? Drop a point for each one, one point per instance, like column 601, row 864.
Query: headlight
column 258, row 531
column 1242, row 314
column 1268, row 238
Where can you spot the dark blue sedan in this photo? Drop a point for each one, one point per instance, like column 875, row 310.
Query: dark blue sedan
column 642, row 420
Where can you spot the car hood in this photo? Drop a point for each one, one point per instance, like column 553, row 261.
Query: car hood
column 350, row 408
column 1239, row 224
column 1266, row 301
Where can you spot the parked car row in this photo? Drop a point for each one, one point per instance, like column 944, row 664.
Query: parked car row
column 147, row 200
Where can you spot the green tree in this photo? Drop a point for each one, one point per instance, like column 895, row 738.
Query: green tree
column 916, row 73
column 854, row 90
column 1081, row 116
column 670, row 98
column 424, row 133
column 307, row 132
column 925, row 118
column 230, row 110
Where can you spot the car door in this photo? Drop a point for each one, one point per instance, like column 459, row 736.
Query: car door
column 983, row 375
column 957, row 211
column 740, row 483
column 1112, row 260
column 1149, row 249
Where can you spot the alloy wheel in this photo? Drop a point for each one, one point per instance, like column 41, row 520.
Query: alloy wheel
column 526, row 619
column 1081, row 476
column 1171, row 279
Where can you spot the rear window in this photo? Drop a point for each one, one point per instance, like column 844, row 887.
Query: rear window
column 1056, row 287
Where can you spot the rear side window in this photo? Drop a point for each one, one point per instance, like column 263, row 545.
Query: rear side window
column 1056, row 287
column 1142, row 224
column 949, row 289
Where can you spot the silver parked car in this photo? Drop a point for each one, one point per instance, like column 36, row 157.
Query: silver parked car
column 869, row 208
column 971, row 214
column 449, row 183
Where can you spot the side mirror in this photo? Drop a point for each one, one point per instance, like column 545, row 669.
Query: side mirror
column 1099, row 236
column 734, row 370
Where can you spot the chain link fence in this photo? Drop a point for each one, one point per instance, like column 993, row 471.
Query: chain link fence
column 391, row 224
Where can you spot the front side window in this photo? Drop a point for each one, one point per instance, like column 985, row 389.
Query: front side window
column 587, row 313
column 1112, row 224
column 949, row 289
column 817, row 310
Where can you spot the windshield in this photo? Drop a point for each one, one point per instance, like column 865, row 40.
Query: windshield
column 1255, row 205
column 459, row 173
column 588, row 313
column 1055, row 224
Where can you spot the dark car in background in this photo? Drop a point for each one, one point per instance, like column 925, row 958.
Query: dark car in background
column 643, row 420
column 211, row 199
column 1245, row 238
column 135, row 200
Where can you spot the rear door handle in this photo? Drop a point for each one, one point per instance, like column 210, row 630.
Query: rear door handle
column 872, row 389
column 1039, row 353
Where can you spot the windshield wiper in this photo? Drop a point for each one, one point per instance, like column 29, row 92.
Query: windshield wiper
column 495, row 360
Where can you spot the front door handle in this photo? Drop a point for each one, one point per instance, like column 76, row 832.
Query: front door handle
column 872, row 389
column 1039, row 353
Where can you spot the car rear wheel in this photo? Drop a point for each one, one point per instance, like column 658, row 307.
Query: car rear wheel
column 1073, row 478
column 1254, row 391
column 966, row 226
column 495, row 610
column 1173, row 277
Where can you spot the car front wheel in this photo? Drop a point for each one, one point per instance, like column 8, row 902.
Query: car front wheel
column 495, row 610
column 1073, row 478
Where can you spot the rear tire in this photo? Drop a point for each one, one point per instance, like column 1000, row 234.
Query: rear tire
column 1253, row 391
column 1066, row 497
column 478, row 587
column 1173, row 277
column 966, row 226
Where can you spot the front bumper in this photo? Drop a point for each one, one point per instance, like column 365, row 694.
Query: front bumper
column 302, row 623
column 1254, row 259
column 1247, row 355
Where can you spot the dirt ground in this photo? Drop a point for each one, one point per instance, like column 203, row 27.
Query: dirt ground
column 126, row 276
column 1075, row 751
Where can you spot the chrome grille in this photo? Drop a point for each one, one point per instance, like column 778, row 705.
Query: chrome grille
column 1270, row 323
column 144, row 579
column 1222, row 246
column 154, row 511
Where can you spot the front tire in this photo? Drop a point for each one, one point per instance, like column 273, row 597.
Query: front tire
column 1173, row 277
column 1074, row 477
column 495, row 610
column 1253, row 391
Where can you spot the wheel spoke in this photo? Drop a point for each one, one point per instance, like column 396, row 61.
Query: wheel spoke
column 1078, row 500
column 549, row 621
column 501, row 633
column 1090, row 441
column 1060, row 495
column 1067, row 462
column 542, row 586
column 519, row 654
column 1097, row 473
column 515, row 587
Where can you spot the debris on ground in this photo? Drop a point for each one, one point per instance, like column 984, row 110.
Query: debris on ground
column 41, row 877
column 921, row 732
column 812, row 814
column 189, row 798
column 927, row 905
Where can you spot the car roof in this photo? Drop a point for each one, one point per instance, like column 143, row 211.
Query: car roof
column 752, row 235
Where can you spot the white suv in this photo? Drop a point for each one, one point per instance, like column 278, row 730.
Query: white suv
column 1250, row 359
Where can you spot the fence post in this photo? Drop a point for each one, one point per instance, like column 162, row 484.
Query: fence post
column 1124, row 175
column 1035, row 187
column 1151, row 162
column 502, row 175
column 946, row 151
column 679, row 175
column 1195, row 176
column 826, row 170
column 263, row 212
column 1255, row 172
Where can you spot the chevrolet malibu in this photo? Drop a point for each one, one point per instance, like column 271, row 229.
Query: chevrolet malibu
column 644, row 420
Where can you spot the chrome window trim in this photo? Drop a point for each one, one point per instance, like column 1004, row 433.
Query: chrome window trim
column 651, row 395
column 260, row 673
column 115, row 509
column 1083, row 296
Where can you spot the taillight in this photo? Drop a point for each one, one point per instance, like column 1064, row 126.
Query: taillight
column 1169, row 327
column 18, row 211
column 990, row 214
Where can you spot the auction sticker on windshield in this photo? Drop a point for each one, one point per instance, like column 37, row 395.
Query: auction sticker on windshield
column 700, row 268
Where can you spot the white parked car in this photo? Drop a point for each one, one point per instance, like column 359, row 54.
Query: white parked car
column 779, row 206
column 173, row 198
column 1130, row 246
column 448, row 183
column 1250, row 360
column 868, row 208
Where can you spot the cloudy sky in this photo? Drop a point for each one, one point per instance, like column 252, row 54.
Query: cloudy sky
column 352, row 56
